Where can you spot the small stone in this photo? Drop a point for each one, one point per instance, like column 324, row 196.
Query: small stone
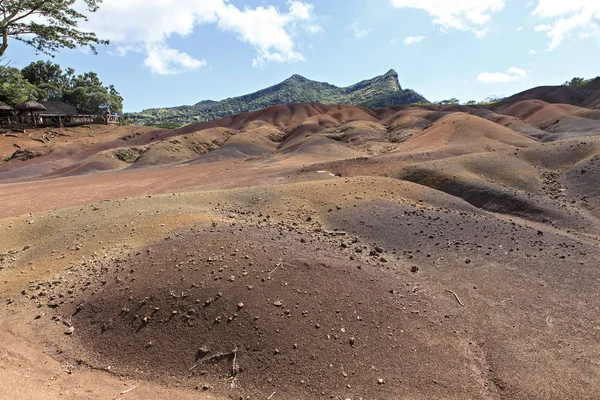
column 380, row 381
column 278, row 303
column 240, row 305
column 414, row 269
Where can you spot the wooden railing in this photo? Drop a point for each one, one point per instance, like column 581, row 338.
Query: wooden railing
column 58, row 120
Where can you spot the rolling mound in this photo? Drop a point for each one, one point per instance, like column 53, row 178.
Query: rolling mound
column 586, row 96
column 560, row 121
column 240, row 310
column 306, row 251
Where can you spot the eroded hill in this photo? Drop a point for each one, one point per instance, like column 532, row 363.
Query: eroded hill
column 307, row 251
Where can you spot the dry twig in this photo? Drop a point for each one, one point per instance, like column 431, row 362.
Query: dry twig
column 129, row 390
column 456, row 297
column 277, row 266
column 271, row 396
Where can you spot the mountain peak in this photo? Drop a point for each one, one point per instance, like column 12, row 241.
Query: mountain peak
column 380, row 91
column 296, row 77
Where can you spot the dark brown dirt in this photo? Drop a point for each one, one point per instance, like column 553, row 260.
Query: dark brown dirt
column 306, row 252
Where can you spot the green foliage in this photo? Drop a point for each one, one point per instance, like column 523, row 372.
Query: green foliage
column 53, row 28
column 125, row 120
column 163, row 125
column 92, row 99
column 47, row 81
column 87, row 93
column 13, row 87
column 471, row 103
column 490, row 100
column 48, row 77
column 576, row 82
column 377, row 92
column 449, row 101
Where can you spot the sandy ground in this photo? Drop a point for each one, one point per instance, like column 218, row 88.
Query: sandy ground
column 315, row 253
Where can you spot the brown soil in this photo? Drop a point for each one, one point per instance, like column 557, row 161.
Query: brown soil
column 306, row 251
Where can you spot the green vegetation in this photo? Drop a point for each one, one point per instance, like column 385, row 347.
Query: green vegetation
column 377, row 92
column 578, row 82
column 46, row 81
column 449, row 101
column 163, row 125
column 13, row 87
column 54, row 26
column 575, row 82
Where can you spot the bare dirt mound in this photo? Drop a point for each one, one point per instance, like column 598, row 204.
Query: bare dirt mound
column 305, row 252
column 463, row 134
column 560, row 121
column 227, row 307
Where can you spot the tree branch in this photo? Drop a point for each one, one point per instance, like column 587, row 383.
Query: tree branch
column 4, row 41
column 32, row 11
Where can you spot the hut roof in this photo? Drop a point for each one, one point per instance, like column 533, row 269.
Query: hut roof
column 5, row 107
column 58, row 108
column 30, row 105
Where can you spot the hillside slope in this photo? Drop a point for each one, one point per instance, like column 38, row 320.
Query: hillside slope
column 381, row 91
column 587, row 95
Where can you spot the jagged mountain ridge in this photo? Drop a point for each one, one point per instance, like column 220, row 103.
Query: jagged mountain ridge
column 383, row 90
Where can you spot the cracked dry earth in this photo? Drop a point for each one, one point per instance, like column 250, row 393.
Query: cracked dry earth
column 458, row 263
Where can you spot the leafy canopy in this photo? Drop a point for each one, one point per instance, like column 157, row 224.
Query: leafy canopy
column 47, row 81
column 46, row 25
column 14, row 88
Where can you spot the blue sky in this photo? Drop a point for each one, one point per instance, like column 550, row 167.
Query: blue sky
column 174, row 52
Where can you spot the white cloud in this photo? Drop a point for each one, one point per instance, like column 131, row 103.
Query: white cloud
column 560, row 18
column 357, row 31
column 163, row 60
column 513, row 74
column 519, row 29
column 464, row 15
column 532, row 52
column 413, row 39
column 146, row 26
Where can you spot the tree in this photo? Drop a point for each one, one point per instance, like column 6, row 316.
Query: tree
column 46, row 25
column 87, row 93
column 14, row 88
column 48, row 77
column 575, row 82
column 450, row 101
column 471, row 103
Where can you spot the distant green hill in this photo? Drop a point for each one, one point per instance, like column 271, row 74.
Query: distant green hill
column 384, row 90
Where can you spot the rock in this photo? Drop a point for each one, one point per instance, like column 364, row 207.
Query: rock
column 380, row 381
column 278, row 303
column 414, row 269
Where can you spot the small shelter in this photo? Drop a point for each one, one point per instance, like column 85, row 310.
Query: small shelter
column 30, row 106
column 58, row 108
column 5, row 110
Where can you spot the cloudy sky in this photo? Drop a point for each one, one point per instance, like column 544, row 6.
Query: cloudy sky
column 174, row 52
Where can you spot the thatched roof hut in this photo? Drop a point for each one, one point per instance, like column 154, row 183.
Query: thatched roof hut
column 30, row 106
column 56, row 108
column 5, row 110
